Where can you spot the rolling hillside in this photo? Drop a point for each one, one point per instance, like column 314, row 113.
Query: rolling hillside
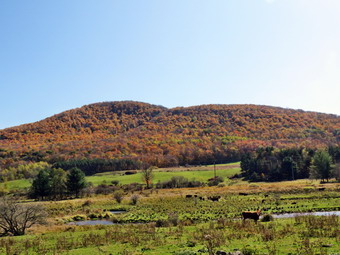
column 165, row 137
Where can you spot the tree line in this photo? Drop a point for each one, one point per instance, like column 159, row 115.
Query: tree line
column 93, row 166
column 270, row 164
column 56, row 183
column 88, row 166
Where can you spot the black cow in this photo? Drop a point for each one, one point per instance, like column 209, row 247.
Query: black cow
column 254, row 215
column 214, row 198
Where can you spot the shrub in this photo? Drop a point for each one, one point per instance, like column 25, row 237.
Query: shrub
column 173, row 219
column 130, row 172
column 248, row 251
column 115, row 182
column 132, row 187
column 162, row 223
column 118, row 196
column 105, row 189
column 191, row 243
column 86, row 203
column 79, row 217
column 215, row 181
column 267, row 218
column 211, row 237
column 236, row 176
column 93, row 216
column 178, row 182
column 134, row 199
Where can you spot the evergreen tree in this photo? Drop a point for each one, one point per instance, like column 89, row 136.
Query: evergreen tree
column 322, row 165
column 75, row 181
column 288, row 168
column 58, row 183
column 41, row 186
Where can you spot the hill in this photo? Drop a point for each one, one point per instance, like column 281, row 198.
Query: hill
column 165, row 137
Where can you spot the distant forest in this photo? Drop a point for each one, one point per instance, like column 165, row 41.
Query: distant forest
column 270, row 164
column 121, row 135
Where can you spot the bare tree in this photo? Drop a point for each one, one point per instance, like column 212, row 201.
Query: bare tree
column 147, row 176
column 16, row 218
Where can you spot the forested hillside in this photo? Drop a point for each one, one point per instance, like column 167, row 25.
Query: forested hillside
column 165, row 137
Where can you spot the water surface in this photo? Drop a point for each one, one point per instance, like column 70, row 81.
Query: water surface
column 91, row 222
column 291, row 215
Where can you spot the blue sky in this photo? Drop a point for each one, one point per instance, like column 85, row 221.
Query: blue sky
column 58, row 55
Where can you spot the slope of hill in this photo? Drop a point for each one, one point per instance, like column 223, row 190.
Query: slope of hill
column 163, row 137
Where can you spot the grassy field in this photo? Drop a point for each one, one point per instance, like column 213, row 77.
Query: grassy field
column 16, row 185
column 165, row 221
column 162, row 175
column 201, row 173
column 303, row 235
column 181, row 226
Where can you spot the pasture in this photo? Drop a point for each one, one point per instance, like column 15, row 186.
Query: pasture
column 174, row 224
column 161, row 175
column 200, row 173
column 302, row 235
column 186, row 222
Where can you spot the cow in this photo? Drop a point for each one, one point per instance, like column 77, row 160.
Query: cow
column 254, row 215
column 214, row 198
column 188, row 196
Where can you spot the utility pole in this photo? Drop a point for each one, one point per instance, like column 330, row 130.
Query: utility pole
column 215, row 169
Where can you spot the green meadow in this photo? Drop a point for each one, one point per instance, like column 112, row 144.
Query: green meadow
column 202, row 173
column 168, row 221
column 174, row 224
column 160, row 176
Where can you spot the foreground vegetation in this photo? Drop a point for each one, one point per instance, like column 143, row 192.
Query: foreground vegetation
column 301, row 235
column 182, row 220
column 174, row 223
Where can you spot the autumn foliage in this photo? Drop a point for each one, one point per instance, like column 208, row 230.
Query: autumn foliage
column 164, row 137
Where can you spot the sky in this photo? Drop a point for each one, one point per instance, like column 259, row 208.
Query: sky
column 60, row 55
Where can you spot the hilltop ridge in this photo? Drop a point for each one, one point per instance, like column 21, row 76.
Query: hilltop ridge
column 163, row 136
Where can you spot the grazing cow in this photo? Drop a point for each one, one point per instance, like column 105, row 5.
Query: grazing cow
column 188, row 196
column 214, row 198
column 322, row 188
column 254, row 215
column 243, row 194
column 201, row 198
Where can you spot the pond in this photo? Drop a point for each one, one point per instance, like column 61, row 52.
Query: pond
column 117, row 212
column 91, row 222
column 96, row 222
column 276, row 216
column 291, row 215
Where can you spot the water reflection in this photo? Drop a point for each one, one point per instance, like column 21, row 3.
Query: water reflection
column 291, row 215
